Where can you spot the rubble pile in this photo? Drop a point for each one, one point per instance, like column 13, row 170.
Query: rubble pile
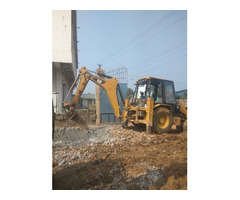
column 89, row 114
column 112, row 157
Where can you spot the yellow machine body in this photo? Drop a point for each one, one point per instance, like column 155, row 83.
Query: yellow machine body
column 161, row 115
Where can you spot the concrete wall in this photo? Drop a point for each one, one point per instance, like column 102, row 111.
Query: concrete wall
column 57, row 87
column 64, row 55
column 74, row 41
column 60, row 87
column 61, row 36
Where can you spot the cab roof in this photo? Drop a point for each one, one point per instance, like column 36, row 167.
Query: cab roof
column 150, row 77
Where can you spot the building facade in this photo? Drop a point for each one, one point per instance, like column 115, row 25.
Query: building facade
column 183, row 96
column 64, row 55
column 181, row 92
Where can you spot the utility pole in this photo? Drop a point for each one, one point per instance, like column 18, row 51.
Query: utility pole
column 99, row 65
column 97, row 96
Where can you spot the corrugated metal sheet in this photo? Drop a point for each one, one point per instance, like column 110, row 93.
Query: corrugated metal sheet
column 181, row 92
column 107, row 114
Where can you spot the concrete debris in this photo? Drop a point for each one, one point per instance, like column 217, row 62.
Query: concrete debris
column 112, row 157
column 61, row 163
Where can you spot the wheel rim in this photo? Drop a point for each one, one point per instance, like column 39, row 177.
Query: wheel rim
column 163, row 120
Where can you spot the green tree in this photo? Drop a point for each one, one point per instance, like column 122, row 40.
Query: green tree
column 129, row 93
column 184, row 96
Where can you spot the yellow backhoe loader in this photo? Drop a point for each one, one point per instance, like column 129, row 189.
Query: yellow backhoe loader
column 153, row 104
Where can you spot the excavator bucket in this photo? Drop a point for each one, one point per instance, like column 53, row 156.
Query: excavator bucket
column 72, row 119
column 79, row 122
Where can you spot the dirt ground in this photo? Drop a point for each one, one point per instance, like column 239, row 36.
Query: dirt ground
column 110, row 157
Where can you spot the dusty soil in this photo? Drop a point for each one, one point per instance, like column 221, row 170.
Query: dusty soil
column 77, row 121
column 112, row 157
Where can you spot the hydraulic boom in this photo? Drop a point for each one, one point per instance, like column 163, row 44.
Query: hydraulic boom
column 109, row 84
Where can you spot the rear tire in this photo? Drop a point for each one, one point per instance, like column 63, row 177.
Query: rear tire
column 162, row 120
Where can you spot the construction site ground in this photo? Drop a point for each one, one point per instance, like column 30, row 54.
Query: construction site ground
column 110, row 157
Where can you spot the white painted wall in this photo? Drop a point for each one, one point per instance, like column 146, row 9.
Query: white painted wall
column 60, row 88
column 61, row 36
column 64, row 55
column 66, row 87
column 57, row 88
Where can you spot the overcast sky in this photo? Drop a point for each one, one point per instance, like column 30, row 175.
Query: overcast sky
column 147, row 43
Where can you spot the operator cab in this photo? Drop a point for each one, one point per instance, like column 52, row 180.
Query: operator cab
column 162, row 91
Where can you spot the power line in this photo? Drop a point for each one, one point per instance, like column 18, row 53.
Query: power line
column 148, row 39
column 167, row 74
column 141, row 34
column 154, row 25
column 163, row 52
column 161, row 64
column 159, row 55
column 164, row 58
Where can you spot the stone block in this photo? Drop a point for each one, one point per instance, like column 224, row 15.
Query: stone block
column 92, row 106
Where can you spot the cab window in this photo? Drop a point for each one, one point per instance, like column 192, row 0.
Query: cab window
column 169, row 92
column 141, row 91
column 159, row 94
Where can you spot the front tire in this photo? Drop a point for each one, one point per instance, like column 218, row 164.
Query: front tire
column 162, row 120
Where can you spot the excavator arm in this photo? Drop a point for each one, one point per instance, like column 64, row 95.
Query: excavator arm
column 110, row 85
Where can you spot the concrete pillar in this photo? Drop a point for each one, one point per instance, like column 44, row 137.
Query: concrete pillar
column 98, row 100
column 59, row 90
column 57, row 87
